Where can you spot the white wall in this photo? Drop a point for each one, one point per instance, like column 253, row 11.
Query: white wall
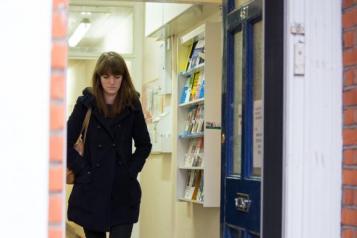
column 158, row 14
column 313, row 113
column 24, row 122
column 79, row 76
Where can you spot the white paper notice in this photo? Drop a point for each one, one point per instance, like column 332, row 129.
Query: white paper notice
column 258, row 134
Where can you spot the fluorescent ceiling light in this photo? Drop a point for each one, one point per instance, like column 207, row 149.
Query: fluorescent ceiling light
column 86, row 13
column 79, row 32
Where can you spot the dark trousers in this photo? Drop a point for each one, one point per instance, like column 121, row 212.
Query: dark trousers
column 120, row 231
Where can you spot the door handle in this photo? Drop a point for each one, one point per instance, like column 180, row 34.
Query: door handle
column 223, row 138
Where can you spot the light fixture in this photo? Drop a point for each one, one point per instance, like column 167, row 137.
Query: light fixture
column 86, row 13
column 79, row 32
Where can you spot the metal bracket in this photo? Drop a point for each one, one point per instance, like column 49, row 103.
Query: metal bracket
column 297, row 29
column 244, row 12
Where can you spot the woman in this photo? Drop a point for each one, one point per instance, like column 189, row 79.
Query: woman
column 106, row 194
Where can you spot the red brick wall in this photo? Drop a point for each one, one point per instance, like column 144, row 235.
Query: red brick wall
column 349, row 177
column 57, row 117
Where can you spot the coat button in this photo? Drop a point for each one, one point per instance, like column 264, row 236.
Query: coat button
column 97, row 165
column 114, row 145
column 99, row 146
column 89, row 172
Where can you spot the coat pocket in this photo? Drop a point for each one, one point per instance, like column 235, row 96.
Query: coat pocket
column 135, row 191
column 80, row 198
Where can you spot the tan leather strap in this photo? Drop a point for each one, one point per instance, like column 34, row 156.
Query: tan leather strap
column 85, row 124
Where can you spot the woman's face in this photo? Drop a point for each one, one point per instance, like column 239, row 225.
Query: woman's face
column 111, row 83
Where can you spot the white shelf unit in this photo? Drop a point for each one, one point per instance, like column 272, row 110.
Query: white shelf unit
column 195, row 102
column 211, row 162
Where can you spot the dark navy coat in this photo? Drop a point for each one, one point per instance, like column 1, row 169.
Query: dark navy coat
column 106, row 191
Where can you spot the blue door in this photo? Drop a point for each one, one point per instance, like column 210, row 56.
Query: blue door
column 243, row 119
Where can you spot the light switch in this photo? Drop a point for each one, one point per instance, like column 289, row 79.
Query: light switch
column 299, row 59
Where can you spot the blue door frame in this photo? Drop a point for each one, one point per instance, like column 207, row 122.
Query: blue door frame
column 271, row 197
column 241, row 188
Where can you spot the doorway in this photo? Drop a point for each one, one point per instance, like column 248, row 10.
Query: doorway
column 252, row 97
column 95, row 27
column 180, row 219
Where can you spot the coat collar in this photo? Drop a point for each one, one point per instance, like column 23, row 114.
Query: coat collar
column 89, row 101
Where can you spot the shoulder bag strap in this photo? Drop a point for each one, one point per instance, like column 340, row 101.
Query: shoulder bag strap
column 85, row 124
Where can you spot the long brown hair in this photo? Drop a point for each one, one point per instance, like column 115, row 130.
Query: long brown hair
column 113, row 63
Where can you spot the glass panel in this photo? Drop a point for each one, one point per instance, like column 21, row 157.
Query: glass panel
column 239, row 3
column 236, row 233
column 258, row 121
column 107, row 29
column 237, row 104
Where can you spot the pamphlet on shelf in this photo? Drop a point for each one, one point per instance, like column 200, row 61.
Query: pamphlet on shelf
column 192, row 47
column 194, row 155
column 186, row 90
column 201, row 93
column 198, row 54
column 200, row 193
column 198, row 175
column 190, row 184
column 195, row 120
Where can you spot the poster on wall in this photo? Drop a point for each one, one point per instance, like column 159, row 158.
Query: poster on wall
column 157, row 117
column 152, row 102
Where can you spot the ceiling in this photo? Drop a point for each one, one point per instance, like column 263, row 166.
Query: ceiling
column 108, row 24
column 111, row 27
